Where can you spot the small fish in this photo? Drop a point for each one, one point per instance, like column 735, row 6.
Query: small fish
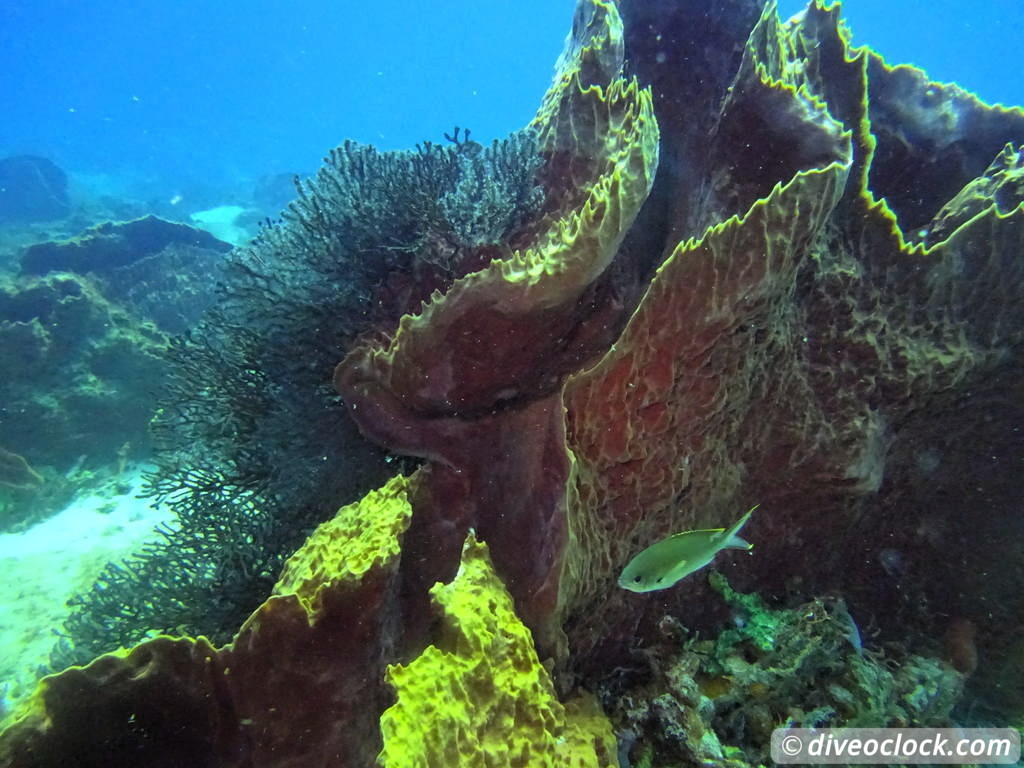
column 849, row 627
column 664, row 563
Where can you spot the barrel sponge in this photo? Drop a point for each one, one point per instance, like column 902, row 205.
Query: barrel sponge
column 480, row 697
column 360, row 537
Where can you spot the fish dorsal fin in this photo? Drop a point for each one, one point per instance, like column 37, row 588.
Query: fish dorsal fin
column 700, row 530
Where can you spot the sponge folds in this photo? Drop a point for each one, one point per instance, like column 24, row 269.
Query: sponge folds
column 480, row 696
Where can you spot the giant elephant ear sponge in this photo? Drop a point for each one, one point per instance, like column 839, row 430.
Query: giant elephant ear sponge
column 471, row 381
column 508, row 330
column 798, row 327
column 479, row 696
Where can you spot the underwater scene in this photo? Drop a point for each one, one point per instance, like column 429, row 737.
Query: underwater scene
column 590, row 383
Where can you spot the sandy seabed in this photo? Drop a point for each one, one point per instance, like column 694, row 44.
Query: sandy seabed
column 51, row 562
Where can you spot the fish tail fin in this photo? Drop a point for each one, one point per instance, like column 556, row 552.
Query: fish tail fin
column 731, row 536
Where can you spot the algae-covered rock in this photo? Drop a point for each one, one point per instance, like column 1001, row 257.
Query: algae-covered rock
column 111, row 245
column 83, row 332
column 164, row 272
column 81, row 372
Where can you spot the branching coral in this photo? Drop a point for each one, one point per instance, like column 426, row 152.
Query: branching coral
column 371, row 234
column 419, row 218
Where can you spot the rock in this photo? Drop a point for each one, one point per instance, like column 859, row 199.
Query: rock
column 110, row 245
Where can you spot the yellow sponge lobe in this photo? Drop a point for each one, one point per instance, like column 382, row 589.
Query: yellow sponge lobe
column 481, row 697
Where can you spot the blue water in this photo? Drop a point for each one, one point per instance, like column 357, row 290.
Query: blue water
column 976, row 44
column 168, row 94
column 213, row 90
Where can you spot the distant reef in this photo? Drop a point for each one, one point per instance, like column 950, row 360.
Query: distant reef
column 32, row 189
column 83, row 327
column 747, row 263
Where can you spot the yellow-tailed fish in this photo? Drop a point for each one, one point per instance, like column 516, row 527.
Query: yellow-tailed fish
column 664, row 563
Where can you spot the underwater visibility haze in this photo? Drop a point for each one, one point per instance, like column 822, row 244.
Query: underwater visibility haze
column 385, row 385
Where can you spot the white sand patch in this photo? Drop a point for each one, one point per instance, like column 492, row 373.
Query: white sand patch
column 49, row 563
column 222, row 223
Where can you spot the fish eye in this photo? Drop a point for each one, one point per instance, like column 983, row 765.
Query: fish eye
column 636, row 579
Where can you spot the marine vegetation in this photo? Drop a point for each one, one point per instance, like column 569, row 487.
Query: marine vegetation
column 370, row 235
column 766, row 265
column 83, row 324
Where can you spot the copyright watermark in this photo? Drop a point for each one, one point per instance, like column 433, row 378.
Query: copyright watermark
column 949, row 746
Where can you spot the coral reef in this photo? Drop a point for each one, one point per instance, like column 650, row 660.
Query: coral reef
column 775, row 355
column 694, row 701
column 790, row 328
column 76, row 360
column 790, row 335
column 312, row 651
column 246, row 486
column 83, row 328
column 480, row 696
column 762, row 267
column 325, row 617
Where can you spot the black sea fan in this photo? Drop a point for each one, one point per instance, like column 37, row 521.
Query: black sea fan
column 253, row 446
